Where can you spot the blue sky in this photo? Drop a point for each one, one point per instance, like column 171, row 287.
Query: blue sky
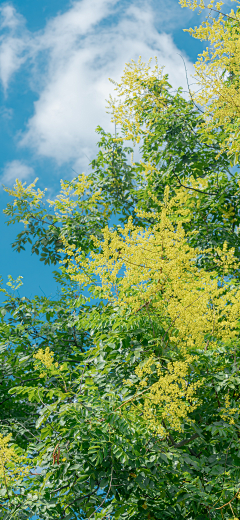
column 55, row 60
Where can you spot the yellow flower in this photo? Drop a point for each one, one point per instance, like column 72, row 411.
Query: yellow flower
column 46, row 357
column 12, row 464
column 218, row 92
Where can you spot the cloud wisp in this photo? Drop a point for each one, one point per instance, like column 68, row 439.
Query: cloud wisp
column 15, row 170
column 70, row 62
column 14, row 43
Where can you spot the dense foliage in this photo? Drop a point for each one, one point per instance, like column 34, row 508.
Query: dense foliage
column 119, row 399
column 217, row 72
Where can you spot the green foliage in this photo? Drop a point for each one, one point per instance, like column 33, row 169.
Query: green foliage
column 84, row 440
column 44, row 229
column 90, row 451
column 176, row 148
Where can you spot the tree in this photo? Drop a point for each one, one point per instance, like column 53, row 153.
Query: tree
column 217, row 73
column 173, row 153
column 124, row 390
column 176, row 154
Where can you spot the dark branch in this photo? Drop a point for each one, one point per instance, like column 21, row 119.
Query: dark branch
column 186, row 441
column 78, row 499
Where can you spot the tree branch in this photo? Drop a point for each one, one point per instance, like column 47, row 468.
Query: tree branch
column 79, row 498
column 186, row 441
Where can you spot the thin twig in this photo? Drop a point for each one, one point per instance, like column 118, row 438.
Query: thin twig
column 105, row 496
column 79, row 498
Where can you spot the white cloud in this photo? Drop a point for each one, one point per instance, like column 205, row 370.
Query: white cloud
column 15, row 170
column 9, row 17
column 10, row 59
column 81, row 49
column 12, row 43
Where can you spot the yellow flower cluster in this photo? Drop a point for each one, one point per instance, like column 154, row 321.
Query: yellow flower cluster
column 19, row 191
column 160, row 274
column 14, row 284
column 77, row 194
column 135, row 94
column 71, row 194
column 13, row 465
column 228, row 412
column 172, row 397
column 6, row 453
column 195, row 4
column 46, row 357
column 217, row 73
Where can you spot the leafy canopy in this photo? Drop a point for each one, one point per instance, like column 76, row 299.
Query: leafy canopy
column 217, row 73
column 120, row 397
